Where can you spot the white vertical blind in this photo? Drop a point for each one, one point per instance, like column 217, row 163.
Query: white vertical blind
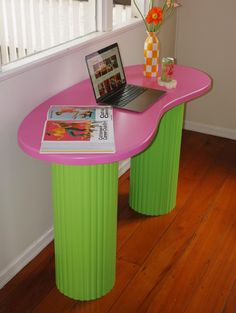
column 121, row 14
column 30, row 26
column 3, row 32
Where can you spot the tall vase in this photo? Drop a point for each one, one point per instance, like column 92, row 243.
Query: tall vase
column 151, row 55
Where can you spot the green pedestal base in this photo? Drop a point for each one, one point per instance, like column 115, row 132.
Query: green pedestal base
column 154, row 172
column 85, row 222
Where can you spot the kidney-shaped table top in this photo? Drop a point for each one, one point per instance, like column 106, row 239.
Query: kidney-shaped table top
column 133, row 131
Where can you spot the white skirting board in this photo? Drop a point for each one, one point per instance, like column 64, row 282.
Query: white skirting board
column 211, row 129
column 25, row 257
column 37, row 246
column 124, row 166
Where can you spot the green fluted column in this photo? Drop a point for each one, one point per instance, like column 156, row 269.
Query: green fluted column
column 85, row 222
column 154, row 172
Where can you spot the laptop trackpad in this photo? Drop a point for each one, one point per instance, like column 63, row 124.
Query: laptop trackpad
column 145, row 100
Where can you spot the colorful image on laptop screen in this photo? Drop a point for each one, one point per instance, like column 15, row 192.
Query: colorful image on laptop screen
column 106, row 71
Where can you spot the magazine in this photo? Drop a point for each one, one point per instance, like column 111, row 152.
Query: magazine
column 74, row 129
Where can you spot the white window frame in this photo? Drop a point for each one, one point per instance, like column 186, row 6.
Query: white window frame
column 104, row 10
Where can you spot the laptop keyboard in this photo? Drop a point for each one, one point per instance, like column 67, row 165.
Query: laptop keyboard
column 126, row 95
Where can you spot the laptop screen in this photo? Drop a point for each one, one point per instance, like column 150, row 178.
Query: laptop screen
column 106, row 71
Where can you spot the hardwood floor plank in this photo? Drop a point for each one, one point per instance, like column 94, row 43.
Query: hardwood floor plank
column 174, row 242
column 125, row 272
column 128, row 220
column 54, row 301
column 230, row 306
column 216, row 285
column 197, row 151
column 198, row 260
column 57, row 303
column 143, row 240
column 214, row 288
column 31, row 285
column 149, row 232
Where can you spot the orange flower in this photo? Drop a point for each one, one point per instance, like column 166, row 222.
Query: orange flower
column 154, row 16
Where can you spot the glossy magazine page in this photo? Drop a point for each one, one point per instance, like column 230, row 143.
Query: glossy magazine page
column 74, row 129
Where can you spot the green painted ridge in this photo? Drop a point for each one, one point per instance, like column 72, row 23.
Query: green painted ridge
column 85, row 223
column 154, row 172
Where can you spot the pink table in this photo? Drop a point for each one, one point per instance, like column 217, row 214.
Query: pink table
column 85, row 185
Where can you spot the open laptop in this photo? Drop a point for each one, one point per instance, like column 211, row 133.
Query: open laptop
column 109, row 82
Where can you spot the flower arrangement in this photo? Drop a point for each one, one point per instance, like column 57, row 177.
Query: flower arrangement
column 157, row 15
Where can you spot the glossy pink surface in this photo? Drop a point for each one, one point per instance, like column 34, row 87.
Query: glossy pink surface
column 133, row 131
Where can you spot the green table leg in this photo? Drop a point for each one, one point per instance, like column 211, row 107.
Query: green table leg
column 85, row 223
column 154, row 172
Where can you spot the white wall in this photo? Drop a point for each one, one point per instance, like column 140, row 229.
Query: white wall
column 206, row 40
column 25, row 185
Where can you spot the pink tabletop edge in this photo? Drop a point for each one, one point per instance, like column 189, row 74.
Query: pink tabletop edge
column 133, row 131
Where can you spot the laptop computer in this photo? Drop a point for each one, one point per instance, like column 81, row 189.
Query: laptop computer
column 109, row 82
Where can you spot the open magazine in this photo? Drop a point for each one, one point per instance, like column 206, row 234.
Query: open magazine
column 74, row 129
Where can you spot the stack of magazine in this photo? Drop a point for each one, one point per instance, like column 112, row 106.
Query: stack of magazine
column 74, row 129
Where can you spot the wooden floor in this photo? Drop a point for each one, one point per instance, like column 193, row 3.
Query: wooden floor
column 183, row 262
